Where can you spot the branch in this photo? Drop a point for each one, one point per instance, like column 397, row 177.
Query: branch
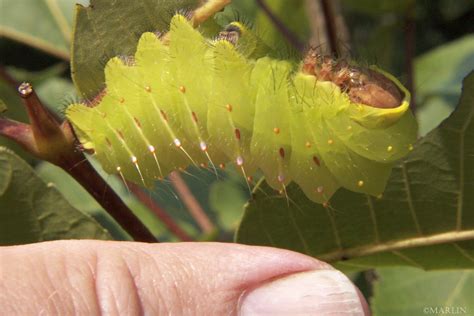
column 335, row 26
column 191, row 203
column 55, row 142
column 208, row 9
column 286, row 32
column 165, row 218
column 20, row 133
column 87, row 176
column 318, row 26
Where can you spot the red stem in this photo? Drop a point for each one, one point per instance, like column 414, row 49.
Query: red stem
column 191, row 203
column 165, row 218
column 86, row 175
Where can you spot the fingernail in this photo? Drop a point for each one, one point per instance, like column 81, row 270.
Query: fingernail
column 319, row 292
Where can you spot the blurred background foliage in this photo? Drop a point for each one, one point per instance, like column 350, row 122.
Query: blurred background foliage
column 35, row 46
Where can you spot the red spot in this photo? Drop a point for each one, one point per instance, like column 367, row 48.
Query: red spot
column 182, row 89
column 137, row 122
column 195, row 118
column 228, row 107
column 237, row 134
column 121, row 100
column 316, row 161
column 120, row 134
column 163, row 114
column 282, row 153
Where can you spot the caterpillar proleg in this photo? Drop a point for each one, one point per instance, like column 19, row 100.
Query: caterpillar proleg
column 190, row 100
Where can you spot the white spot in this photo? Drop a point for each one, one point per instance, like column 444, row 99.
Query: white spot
column 281, row 178
column 151, row 148
column 177, row 142
column 134, row 159
column 239, row 161
column 320, row 189
column 203, row 146
column 119, row 169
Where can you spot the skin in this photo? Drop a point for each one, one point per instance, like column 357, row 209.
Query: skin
column 126, row 278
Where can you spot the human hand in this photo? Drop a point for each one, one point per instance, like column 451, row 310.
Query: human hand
column 129, row 278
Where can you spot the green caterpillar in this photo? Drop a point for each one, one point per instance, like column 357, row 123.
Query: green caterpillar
column 185, row 99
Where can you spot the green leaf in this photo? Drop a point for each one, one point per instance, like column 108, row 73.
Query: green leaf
column 410, row 291
column 32, row 211
column 111, row 28
column 438, row 80
column 79, row 198
column 226, row 199
column 44, row 24
column 425, row 218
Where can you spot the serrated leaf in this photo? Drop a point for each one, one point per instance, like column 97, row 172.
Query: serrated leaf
column 410, row 291
column 425, row 218
column 438, row 78
column 112, row 28
column 44, row 24
column 32, row 211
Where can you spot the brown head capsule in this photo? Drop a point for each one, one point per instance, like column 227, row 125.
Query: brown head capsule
column 376, row 90
column 364, row 86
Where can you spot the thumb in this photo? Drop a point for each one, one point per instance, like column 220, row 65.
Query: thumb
column 94, row 277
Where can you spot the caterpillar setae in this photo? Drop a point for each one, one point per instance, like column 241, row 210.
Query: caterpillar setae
column 184, row 99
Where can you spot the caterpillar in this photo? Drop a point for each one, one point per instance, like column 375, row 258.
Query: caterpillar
column 184, row 99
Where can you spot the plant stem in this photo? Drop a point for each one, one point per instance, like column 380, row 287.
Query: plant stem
column 88, row 177
column 55, row 142
column 318, row 26
column 191, row 203
column 335, row 26
column 165, row 218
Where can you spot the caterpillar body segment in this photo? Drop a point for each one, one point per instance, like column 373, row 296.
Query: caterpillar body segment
column 188, row 100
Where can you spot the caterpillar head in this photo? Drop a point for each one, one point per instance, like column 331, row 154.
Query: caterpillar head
column 363, row 86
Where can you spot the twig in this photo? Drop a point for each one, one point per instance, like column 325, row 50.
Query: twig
column 86, row 175
column 287, row 33
column 165, row 218
column 55, row 142
column 335, row 26
column 19, row 132
column 191, row 203
column 318, row 26
column 208, row 9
